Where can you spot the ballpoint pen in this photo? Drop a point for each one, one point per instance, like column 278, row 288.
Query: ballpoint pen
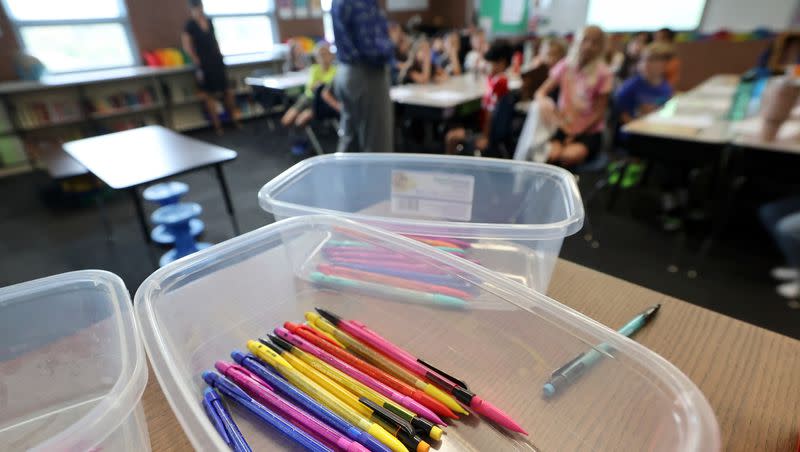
column 264, row 394
column 239, row 396
column 571, row 371
column 311, row 388
column 251, row 363
column 449, row 240
column 457, row 388
column 393, row 382
column 363, row 385
column 384, row 363
column 388, row 263
column 355, row 244
column 409, row 295
column 334, row 270
column 223, row 421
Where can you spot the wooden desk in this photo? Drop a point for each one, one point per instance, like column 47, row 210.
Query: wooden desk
column 132, row 158
column 749, row 375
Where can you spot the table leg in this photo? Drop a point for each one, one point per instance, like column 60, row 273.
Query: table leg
column 137, row 202
column 227, row 195
column 101, row 205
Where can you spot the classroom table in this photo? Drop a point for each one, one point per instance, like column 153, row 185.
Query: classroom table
column 748, row 374
column 290, row 83
column 132, row 158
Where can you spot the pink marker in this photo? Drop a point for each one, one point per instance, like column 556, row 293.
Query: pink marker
column 365, row 379
column 457, row 388
column 263, row 392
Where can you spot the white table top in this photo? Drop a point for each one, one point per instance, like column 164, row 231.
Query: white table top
column 451, row 93
column 699, row 115
column 147, row 154
column 281, row 82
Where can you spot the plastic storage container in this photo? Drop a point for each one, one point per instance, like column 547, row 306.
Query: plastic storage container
column 72, row 366
column 505, row 341
column 516, row 214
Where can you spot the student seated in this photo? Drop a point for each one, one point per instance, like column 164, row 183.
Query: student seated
column 498, row 58
column 673, row 74
column 585, row 83
column 551, row 51
column 782, row 220
column 320, row 73
column 633, row 51
column 449, row 58
column 474, row 62
column 648, row 90
column 422, row 69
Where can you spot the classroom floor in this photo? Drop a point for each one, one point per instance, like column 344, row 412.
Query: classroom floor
column 39, row 237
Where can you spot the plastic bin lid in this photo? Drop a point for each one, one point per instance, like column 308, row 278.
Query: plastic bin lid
column 513, row 226
column 72, row 363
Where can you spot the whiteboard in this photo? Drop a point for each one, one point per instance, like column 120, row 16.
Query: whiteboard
column 406, row 5
column 634, row 15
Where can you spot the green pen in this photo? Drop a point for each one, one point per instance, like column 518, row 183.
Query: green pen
column 571, row 371
column 384, row 290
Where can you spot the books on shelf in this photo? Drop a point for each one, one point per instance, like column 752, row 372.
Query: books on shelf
column 122, row 100
column 12, row 151
column 37, row 113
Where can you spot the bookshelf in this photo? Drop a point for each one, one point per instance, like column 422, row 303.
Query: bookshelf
column 36, row 118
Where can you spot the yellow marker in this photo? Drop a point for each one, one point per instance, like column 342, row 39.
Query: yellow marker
column 384, row 363
column 356, row 387
column 322, row 396
column 316, row 328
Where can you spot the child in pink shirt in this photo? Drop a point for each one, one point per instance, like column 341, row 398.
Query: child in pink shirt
column 585, row 83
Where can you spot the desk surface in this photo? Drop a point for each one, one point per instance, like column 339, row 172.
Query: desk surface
column 450, row 93
column 287, row 80
column 748, row 374
column 138, row 156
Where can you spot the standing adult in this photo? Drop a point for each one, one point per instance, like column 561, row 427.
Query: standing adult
column 362, row 79
column 200, row 42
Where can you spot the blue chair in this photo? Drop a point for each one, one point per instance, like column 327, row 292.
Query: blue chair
column 176, row 219
column 164, row 194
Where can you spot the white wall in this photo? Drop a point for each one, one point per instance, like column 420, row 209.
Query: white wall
column 738, row 15
column 746, row 15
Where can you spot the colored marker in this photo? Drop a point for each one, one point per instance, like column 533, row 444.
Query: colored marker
column 223, row 421
column 414, row 296
column 257, row 389
column 252, row 364
column 453, row 242
column 444, row 280
column 384, row 363
column 403, row 388
column 404, row 358
column 237, row 395
column 323, row 334
column 363, row 385
column 360, row 275
column 571, row 371
column 410, row 439
column 321, row 395
column 353, row 244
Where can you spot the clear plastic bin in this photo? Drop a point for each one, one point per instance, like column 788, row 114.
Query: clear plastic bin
column 505, row 341
column 516, row 214
column 72, row 366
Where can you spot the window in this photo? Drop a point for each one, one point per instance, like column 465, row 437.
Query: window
column 327, row 20
column 635, row 15
column 242, row 26
column 71, row 36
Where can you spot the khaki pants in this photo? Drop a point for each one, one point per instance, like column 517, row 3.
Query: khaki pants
column 366, row 123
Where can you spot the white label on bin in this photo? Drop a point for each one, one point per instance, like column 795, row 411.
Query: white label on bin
column 432, row 195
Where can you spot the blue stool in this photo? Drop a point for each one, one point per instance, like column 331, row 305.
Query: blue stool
column 164, row 194
column 176, row 219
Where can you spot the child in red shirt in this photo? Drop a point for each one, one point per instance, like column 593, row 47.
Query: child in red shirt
column 498, row 58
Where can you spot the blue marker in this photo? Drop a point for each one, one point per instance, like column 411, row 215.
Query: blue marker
column 223, row 421
column 253, row 364
column 571, row 371
column 232, row 391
